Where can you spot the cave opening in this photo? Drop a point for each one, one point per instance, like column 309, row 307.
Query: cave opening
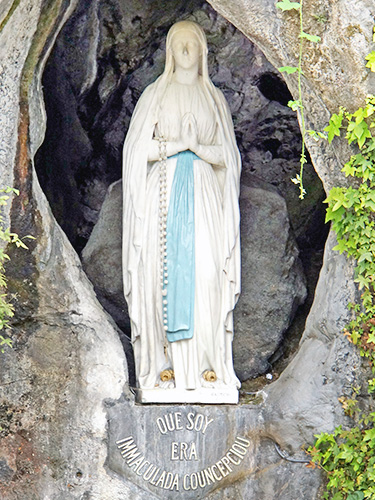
column 273, row 88
column 104, row 57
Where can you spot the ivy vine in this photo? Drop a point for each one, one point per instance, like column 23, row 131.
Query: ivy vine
column 297, row 105
column 348, row 455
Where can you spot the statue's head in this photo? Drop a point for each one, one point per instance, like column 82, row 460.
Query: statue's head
column 186, row 43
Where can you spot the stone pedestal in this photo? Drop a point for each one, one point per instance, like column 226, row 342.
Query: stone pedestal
column 182, row 451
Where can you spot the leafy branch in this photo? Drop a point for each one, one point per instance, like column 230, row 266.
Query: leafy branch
column 287, row 5
column 6, row 237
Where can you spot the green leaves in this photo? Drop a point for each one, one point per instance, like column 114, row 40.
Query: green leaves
column 352, row 211
column 4, row 342
column 357, row 125
column 349, row 456
column 6, row 308
column 336, row 200
column 311, row 38
column 298, row 180
column 334, row 126
column 288, row 5
column 371, row 61
column 317, row 135
column 288, row 69
column 371, row 386
column 295, row 105
column 358, row 495
column 358, row 132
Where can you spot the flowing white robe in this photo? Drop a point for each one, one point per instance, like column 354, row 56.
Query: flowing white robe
column 217, row 265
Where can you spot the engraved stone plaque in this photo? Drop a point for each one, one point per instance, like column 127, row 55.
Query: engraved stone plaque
column 182, row 451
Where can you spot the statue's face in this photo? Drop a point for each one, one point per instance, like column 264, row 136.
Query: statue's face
column 186, row 49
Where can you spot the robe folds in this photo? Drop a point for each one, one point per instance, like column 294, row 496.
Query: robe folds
column 217, row 241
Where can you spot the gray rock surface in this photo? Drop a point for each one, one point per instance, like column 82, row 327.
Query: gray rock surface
column 273, row 283
column 102, row 257
column 334, row 71
column 68, row 361
column 67, row 357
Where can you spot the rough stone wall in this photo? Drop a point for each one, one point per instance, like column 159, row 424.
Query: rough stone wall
column 334, row 69
column 67, row 359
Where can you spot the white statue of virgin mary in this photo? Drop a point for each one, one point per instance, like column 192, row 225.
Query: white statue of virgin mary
column 181, row 245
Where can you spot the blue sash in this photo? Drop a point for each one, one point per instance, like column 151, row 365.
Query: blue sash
column 181, row 250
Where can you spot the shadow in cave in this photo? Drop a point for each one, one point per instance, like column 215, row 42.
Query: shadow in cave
column 102, row 60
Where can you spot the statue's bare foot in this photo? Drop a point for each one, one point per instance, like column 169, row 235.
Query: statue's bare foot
column 209, row 379
column 167, row 379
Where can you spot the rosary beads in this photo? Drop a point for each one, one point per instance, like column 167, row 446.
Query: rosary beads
column 163, row 214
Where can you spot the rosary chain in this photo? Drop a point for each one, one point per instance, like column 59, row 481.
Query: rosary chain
column 163, row 214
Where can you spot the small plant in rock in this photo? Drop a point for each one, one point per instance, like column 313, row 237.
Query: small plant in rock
column 6, row 238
